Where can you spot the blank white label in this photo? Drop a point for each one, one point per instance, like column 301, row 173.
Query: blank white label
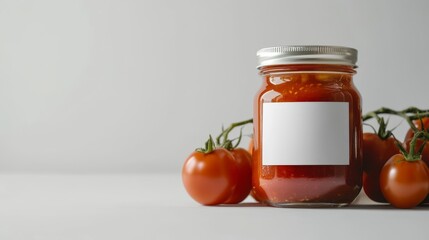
column 305, row 133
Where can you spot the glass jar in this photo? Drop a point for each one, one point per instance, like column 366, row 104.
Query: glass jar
column 307, row 127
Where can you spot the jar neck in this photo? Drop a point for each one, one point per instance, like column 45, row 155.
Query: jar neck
column 307, row 68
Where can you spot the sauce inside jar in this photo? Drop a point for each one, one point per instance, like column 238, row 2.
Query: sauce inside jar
column 295, row 166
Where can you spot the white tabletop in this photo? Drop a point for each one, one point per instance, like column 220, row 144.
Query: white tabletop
column 155, row 206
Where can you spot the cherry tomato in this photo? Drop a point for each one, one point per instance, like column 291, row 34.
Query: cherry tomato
column 243, row 161
column 210, row 178
column 376, row 152
column 405, row 184
column 410, row 135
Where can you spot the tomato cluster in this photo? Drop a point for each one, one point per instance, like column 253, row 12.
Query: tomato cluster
column 397, row 172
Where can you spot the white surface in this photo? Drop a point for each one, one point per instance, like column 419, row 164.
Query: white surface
column 155, row 206
column 135, row 85
column 291, row 136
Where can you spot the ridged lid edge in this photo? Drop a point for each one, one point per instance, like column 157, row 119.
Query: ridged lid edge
column 307, row 54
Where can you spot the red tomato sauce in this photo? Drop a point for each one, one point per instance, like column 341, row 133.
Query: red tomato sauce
column 315, row 184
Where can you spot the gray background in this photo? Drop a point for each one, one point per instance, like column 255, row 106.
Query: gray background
column 134, row 86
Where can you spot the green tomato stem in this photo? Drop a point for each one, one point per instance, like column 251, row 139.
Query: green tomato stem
column 225, row 133
column 411, row 156
column 209, row 147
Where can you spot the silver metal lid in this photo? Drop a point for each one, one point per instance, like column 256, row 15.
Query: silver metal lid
column 313, row 54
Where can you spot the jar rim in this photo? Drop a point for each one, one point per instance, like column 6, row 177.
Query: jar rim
column 307, row 54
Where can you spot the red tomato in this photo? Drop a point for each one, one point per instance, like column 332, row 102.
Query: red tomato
column 376, row 152
column 244, row 178
column 210, row 178
column 405, row 184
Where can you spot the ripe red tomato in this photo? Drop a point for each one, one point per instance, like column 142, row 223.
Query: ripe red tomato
column 210, row 178
column 405, row 184
column 376, row 152
column 243, row 161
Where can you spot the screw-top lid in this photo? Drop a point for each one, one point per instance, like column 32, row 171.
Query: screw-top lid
column 307, row 55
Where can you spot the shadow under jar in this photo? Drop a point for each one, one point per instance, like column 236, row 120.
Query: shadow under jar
column 307, row 127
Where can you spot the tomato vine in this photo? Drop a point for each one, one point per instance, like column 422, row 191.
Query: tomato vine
column 409, row 114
